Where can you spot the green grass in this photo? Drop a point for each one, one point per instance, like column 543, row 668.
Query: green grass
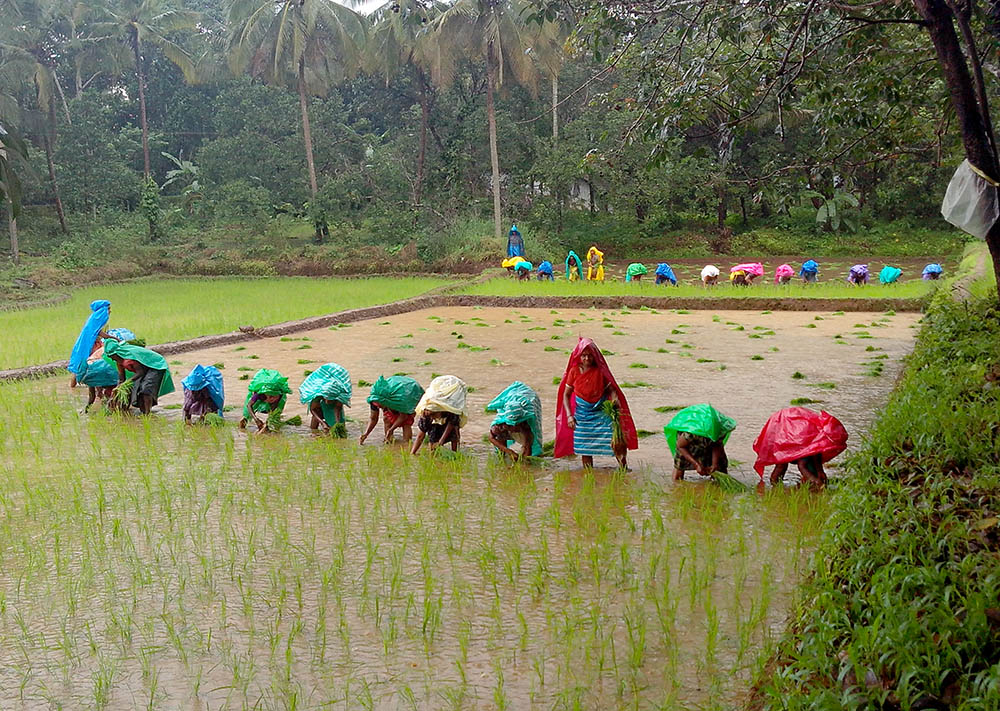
column 175, row 309
column 834, row 289
column 153, row 565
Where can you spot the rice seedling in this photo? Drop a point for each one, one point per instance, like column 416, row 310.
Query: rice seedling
column 704, row 360
column 364, row 384
column 300, row 361
column 556, row 380
column 431, row 349
column 552, row 349
column 605, row 351
column 823, row 386
column 638, row 365
column 797, row 375
column 669, row 408
column 637, row 384
column 756, row 357
column 803, row 401
column 527, row 340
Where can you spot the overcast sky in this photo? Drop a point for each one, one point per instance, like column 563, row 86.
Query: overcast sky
column 365, row 7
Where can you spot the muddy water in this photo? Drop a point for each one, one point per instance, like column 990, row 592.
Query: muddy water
column 744, row 363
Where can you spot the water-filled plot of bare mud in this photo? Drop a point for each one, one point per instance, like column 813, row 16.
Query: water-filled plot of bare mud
column 148, row 564
column 747, row 364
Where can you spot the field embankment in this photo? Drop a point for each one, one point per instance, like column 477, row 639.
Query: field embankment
column 902, row 608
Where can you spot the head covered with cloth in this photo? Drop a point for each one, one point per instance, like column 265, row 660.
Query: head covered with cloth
column 565, row 433
column 446, row 393
column 85, row 342
column 517, row 405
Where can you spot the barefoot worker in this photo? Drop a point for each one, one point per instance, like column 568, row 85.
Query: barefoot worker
column 523, row 270
column 267, row 393
column 151, row 374
column 595, row 264
column 326, row 391
column 395, row 399
column 889, row 275
column 801, row 436
column 204, row 393
column 100, row 377
column 442, row 413
column 515, row 243
column 709, row 275
column 858, row 275
column 783, row 274
column 88, row 341
column 545, row 271
column 584, row 425
column 635, row 272
column 519, row 419
column 809, row 271
column 697, row 438
column 932, row 272
column 665, row 274
column 574, row 267
column 744, row 274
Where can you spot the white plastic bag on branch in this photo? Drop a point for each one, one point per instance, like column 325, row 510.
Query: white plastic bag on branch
column 970, row 203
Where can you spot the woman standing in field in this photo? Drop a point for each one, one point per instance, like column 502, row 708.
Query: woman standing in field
column 442, row 413
column 595, row 264
column 151, row 374
column 89, row 339
column 267, row 393
column 326, row 392
column 592, row 415
column 395, row 399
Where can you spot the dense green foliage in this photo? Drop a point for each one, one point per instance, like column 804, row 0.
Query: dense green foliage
column 399, row 133
column 902, row 610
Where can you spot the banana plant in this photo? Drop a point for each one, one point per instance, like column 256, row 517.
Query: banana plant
column 835, row 211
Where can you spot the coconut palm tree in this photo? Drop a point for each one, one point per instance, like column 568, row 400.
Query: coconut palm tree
column 401, row 41
column 308, row 45
column 12, row 149
column 493, row 30
column 139, row 24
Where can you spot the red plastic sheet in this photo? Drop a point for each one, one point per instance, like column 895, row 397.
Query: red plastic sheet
column 796, row 432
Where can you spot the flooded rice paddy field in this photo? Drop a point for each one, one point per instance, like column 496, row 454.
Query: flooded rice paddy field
column 747, row 364
column 145, row 564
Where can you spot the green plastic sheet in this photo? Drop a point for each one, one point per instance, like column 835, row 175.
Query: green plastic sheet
column 516, row 404
column 150, row 359
column 702, row 420
column 397, row 393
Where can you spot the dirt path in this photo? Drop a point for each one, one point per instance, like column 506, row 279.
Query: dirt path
column 742, row 362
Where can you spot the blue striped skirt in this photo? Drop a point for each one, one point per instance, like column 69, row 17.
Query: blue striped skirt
column 592, row 436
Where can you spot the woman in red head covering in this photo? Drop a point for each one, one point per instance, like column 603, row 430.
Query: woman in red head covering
column 582, row 426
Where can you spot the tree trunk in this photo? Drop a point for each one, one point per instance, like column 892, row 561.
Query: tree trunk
column 969, row 112
column 140, row 76
column 555, row 107
column 494, row 158
column 62, row 97
column 306, row 131
column 425, row 113
column 722, row 209
column 47, row 144
column 15, row 252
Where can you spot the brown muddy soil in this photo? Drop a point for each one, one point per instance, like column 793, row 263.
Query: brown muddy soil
column 744, row 363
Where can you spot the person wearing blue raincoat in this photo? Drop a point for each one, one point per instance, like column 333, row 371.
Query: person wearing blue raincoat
column 326, row 392
column 90, row 335
column 932, row 272
column 204, row 392
column 809, row 271
column 519, row 419
column 515, row 243
column 665, row 273
column 545, row 271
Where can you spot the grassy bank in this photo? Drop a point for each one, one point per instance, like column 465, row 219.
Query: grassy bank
column 167, row 310
column 506, row 286
column 902, row 610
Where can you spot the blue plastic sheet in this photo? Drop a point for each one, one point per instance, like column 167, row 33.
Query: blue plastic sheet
column 206, row 377
column 664, row 272
column 809, row 267
column 98, row 319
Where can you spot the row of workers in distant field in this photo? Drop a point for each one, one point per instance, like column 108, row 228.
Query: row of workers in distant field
column 739, row 275
column 592, row 413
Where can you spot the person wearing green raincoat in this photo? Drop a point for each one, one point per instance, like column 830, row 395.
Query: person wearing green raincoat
column 267, row 393
column 697, row 437
column 635, row 272
column 325, row 392
column 150, row 373
column 395, row 400
column 519, row 419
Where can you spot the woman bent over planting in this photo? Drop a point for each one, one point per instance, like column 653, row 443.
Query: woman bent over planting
column 267, row 394
column 395, row 399
column 519, row 419
column 151, row 375
column 801, row 436
column 442, row 413
column 326, row 392
column 697, row 438
column 592, row 415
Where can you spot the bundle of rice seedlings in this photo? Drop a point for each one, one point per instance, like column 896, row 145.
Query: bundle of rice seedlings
column 613, row 412
column 339, row 430
column 141, row 342
column 121, row 396
column 214, row 420
column 729, row 484
column 294, row 421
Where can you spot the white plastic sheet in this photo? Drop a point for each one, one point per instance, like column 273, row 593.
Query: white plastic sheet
column 970, row 203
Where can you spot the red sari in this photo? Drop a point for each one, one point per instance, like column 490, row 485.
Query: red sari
column 564, row 433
